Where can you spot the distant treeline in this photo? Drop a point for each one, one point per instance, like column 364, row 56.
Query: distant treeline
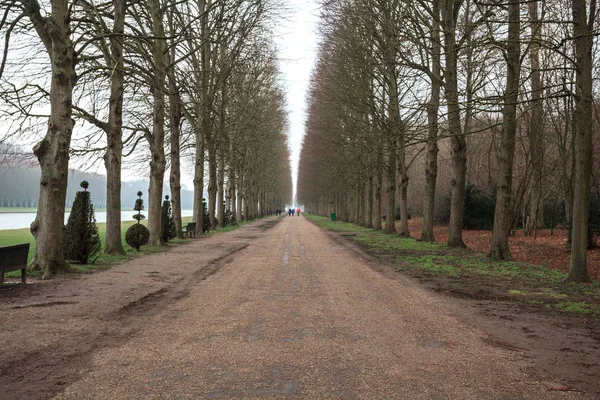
column 20, row 187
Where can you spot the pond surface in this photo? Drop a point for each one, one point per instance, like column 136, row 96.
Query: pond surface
column 24, row 220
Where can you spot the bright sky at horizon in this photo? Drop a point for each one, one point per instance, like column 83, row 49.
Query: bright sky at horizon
column 297, row 40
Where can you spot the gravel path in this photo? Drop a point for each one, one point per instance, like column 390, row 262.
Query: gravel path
column 299, row 315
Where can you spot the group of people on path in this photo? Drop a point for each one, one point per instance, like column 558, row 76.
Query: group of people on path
column 291, row 212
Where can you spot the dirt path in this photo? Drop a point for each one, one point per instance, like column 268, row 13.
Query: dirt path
column 286, row 312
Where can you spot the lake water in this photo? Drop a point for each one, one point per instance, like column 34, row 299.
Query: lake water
column 24, row 220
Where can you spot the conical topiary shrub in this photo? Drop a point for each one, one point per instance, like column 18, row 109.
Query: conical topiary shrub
column 167, row 223
column 81, row 241
column 138, row 235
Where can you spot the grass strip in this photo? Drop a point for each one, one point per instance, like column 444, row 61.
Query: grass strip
column 17, row 236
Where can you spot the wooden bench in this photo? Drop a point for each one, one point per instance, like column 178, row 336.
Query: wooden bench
column 189, row 230
column 14, row 258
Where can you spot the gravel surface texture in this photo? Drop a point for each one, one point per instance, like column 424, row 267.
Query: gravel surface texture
column 295, row 314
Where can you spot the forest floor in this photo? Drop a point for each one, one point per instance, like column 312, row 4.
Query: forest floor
column 281, row 309
column 547, row 248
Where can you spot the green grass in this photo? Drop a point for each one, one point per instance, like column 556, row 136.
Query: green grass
column 372, row 238
column 16, row 236
column 464, row 271
column 16, row 210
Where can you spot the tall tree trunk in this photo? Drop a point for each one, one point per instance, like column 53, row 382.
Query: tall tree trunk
column 114, row 146
column 231, row 181
column 175, row 173
column 240, row 198
column 175, row 117
column 583, row 29
column 212, row 182
column 450, row 11
column 370, row 183
column 221, row 187
column 431, row 166
column 157, row 138
column 403, row 187
column 52, row 152
column 535, row 131
column 390, row 223
column 500, row 249
column 378, row 185
column 198, row 207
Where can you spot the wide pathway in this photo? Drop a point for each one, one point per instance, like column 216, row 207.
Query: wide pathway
column 298, row 314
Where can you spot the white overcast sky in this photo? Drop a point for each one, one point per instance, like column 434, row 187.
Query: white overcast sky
column 296, row 38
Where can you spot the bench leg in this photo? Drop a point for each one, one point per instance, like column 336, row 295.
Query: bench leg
column 24, row 276
column 1, row 277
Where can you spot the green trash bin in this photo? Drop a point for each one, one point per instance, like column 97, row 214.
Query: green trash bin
column 333, row 216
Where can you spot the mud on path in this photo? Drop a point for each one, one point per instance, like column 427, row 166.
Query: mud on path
column 287, row 312
column 50, row 330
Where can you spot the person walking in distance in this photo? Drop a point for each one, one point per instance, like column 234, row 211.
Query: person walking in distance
column 298, row 212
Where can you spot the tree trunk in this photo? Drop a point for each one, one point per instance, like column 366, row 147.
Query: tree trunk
column 500, row 249
column 390, row 222
column 157, row 138
column 535, row 131
column 52, row 152
column 198, row 210
column 221, row 186
column 240, row 198
column 114, row 146
column 378, row 186
column 370, row 183
column 431, row 167
column 403, row 187
column 583, row 30
column 175, row 173
column 231, row 181
column 450, row 11
column 212, row 182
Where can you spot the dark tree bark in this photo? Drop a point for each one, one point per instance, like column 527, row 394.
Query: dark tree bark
column 390, row 226
column 500, row 249
column 403, row 185
column 583, row 28
column 114, row 148
column 221, row 186
column 431, row 165
column 450, row 11
column 370, row 193
column 535, row 129
column 52, row 152
column 175, row 116
column 156, row 139
column 378, row 184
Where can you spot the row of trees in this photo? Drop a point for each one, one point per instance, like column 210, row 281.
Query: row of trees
column 401, row 83
column 165, row 82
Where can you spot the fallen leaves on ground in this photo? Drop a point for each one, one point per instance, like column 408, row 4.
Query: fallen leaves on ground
column 547, row 248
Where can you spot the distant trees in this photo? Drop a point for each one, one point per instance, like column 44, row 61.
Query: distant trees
column 161, row 80
column 492, row 94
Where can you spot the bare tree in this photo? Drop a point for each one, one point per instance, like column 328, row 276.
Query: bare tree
column 583, row 29
column 503, row 216
column 54, row 31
